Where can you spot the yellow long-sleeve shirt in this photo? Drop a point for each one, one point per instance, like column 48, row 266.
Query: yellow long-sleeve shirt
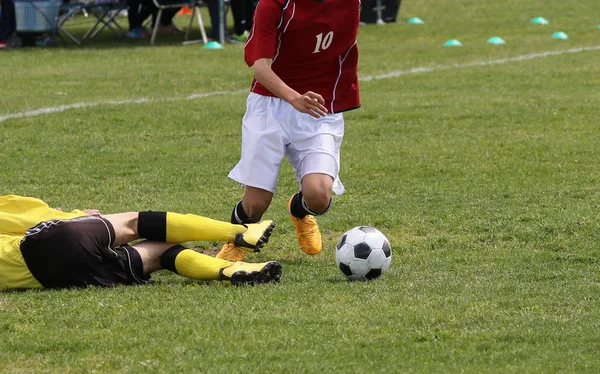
column 17, row 215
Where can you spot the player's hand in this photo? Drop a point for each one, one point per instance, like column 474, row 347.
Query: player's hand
column 310, row 103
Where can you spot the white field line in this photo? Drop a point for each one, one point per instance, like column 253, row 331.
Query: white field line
column 426, row 69
column 393, row 74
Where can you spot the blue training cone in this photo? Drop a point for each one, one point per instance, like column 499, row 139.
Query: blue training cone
column 496, row 40
column 539, row 21
column 415, row 21
column 453, row 43
column 560, row 35
column 213, row 45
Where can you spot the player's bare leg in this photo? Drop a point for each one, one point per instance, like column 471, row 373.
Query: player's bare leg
column 251, row 208
column 314, row 199
column 316, row 190
column 125, row 226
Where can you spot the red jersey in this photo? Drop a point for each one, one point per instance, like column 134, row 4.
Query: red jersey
column 313, row 47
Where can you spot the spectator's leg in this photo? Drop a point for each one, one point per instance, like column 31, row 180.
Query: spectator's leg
column 133, row 12
column 238, row 10
column 167, row 17
column 8, row 22
column 148, row 9
column 213, row 10
column 250, row 8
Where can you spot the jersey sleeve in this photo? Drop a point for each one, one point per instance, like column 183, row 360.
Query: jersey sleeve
column 262, row 42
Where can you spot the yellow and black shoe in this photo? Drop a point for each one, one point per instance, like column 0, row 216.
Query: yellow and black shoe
column 250, row 240
column 240, row 273
column 255, row 236
column 231, row 253
column 307, row 231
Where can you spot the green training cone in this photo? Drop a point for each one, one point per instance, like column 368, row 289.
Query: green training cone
column 539, row 21
column 496, row 40
column 213, row 45
column 415, row 21
column 560, row 35
column 453, row 43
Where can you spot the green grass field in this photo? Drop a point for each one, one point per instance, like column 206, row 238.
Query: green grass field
column 480, row 164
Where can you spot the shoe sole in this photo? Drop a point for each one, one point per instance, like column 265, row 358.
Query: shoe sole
column 270, row 273
column 264, row 239
column 261, row 241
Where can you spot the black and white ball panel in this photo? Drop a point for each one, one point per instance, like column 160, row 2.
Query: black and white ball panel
column 362, row 250
column 387, row 248
column 345, row 269
column 363, row 253
column 341, row 242
column 367, row 229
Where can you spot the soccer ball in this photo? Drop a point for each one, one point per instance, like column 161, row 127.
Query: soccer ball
column 363, row 253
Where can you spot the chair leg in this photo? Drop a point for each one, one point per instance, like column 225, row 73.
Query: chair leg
column 112, row 24
column 98, row 21
column 201, row 25
column 155, row 29
column 58, row 34
column 189, row 27
column 62, row 19
column 113, row 20
column 69, row 35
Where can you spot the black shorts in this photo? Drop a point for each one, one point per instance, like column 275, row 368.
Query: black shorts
column 79, row 253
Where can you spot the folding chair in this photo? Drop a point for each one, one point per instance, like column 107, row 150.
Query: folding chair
column 167, row 4
column 106, row 12
column 67, row 12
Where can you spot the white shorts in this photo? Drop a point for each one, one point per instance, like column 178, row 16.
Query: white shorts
column 272, row 129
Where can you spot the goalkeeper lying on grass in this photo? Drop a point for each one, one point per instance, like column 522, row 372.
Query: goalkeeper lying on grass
column 42, row 247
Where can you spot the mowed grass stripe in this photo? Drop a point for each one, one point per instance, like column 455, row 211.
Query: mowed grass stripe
column 366, row 78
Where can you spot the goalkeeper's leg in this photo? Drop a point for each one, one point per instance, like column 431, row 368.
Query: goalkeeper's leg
column 178, row 228
column 257, row 201
column 194, row 265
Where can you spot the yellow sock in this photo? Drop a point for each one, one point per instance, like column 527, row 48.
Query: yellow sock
column 190, row 227
column 195, row 265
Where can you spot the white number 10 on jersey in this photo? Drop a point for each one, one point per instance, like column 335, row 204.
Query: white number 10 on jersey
column 323, row 42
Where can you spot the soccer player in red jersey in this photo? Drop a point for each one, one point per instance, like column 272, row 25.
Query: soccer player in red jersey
column 305, row 61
